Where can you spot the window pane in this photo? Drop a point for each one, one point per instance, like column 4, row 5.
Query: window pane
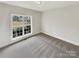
column 21, row 24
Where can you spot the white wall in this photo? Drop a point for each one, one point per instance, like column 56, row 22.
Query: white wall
column 62, row 23
column 5, row 31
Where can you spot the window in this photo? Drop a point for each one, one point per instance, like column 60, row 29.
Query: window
column 27, row 29
column 21, row 25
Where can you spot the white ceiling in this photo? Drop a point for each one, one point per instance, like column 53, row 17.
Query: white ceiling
column 45, row 5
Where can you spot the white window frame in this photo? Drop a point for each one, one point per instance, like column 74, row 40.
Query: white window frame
column 23, row 35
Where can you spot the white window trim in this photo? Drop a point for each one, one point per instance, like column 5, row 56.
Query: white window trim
column 23, row 27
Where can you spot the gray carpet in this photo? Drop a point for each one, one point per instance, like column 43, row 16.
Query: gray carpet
column 40, row 46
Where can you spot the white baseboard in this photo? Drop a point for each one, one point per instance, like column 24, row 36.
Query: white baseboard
column 66, row 40
column 17, row 40
column 72, row 42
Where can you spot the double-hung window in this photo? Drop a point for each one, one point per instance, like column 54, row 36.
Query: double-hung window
column 20, row 25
